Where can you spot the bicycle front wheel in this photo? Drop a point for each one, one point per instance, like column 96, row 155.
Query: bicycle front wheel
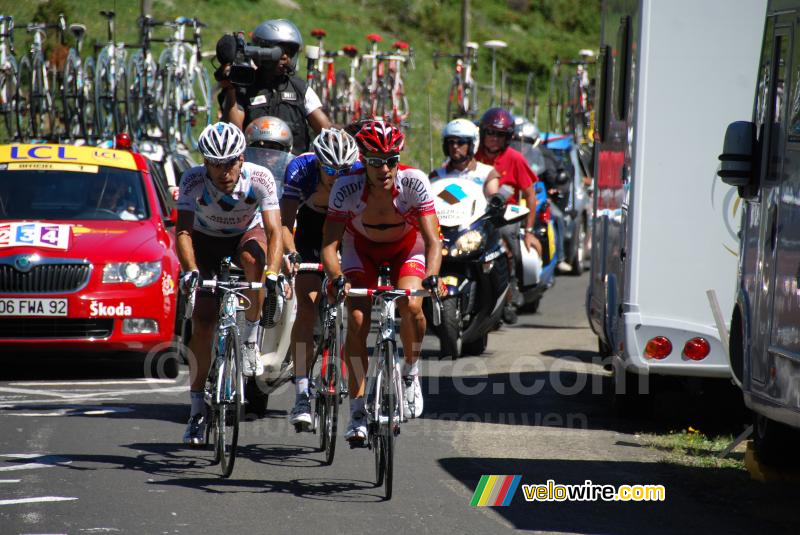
column 8, row 96
column 229, row 409
column 73, row 108
column 388, row 421
column 41, row 109
column 329, row 413
column 87, row 90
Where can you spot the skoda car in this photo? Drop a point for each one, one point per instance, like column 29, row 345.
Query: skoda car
column 87, row 256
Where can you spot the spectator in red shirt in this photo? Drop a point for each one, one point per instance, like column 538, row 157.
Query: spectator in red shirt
column 496, row 128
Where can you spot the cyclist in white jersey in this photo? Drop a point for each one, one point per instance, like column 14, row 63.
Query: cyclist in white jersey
column 226, row 207
column 460, row 139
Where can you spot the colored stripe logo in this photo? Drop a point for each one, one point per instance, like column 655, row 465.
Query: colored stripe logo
column 495, row 491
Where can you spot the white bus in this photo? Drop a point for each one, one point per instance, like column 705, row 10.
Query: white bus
column 673, row 74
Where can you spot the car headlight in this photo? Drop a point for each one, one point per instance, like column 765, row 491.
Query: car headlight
column 138, row 273
column 467, row 243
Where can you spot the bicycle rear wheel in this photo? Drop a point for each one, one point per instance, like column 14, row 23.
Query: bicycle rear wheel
column 229, row 410
column 87, row 89
column 23, row 100
column 198, row 113
column 73, row 106
column 41, row 106
column 455, row 100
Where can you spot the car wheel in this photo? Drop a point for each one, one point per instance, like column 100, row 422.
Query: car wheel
column 476, row 347
column 578, row 239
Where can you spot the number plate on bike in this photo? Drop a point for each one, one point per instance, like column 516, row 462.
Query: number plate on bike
column 33, row 307
column 449, row 280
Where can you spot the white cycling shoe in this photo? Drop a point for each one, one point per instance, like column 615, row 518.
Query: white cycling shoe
column 356, row 433
column 412, row 397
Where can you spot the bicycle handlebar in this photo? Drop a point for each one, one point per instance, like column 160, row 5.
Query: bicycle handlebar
column 310, row 267
column 400, row 292
column 228, row 285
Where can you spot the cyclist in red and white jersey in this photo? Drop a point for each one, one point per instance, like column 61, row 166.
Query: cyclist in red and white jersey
column 383, row 214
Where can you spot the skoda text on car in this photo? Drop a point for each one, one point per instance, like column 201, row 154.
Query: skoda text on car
column 87, row 257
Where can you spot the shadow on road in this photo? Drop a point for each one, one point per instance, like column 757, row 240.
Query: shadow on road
column 691, row 505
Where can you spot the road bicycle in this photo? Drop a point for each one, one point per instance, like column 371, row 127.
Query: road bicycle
column 8, row 76
column 372, row 83
column 579, row 107
column 321, row 75
column 531, row 105
column 35, row 113
column 384, row 392
column 462, row 97
column 555, row 99
column 186, row 86
column 347, row 108
column 111, row 84
column 224, row 389
column 393, row 80
column 144, row 112
column 328, row 375
column 73, row 90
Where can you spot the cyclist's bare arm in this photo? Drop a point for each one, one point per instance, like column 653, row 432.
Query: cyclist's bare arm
column 288, row 216
column 429, row 228
column 232, row 111
column 183, row 242
column 530, row 201
column 492, row 183
column 272, row 228
column 318, row 120
column 332, row 234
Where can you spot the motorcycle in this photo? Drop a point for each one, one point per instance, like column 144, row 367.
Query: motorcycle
column 474, row 266
column 274, row 337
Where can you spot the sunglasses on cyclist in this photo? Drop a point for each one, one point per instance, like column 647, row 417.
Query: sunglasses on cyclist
column 495, row 133
column 228, row 164
column 332, row 171
column 389, row 162
column 456, row 141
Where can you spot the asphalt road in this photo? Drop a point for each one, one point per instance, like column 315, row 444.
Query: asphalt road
column 92, row 446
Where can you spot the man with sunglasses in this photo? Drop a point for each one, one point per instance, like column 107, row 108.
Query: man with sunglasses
column 276, row 91
column 496, row 129
column 307, row 187
column 383, row 215
column 460, row 140
column 226, row 207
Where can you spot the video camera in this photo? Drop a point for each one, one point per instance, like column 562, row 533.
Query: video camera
column 243, row 58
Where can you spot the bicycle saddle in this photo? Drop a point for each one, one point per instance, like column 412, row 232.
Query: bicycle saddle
column 473, row 45
column 374, row 38
column 78, row 30
column 318, row 32
column 402, row 45
column 108, row 14
column 495, row 44
column 350, row 50
column 183, row 20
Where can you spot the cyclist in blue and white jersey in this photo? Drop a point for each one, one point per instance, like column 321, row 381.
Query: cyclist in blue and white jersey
column 307, row 186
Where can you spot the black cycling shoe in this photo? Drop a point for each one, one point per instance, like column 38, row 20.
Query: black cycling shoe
column 509, row 314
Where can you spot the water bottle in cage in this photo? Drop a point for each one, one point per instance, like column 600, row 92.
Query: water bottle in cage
column 383, row 276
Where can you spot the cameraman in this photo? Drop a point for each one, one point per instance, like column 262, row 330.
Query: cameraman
column 275, row 90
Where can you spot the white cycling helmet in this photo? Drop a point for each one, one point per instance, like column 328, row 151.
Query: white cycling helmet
column 221, row 142
column 461, row 128
column 269, row 132
column 335, row 148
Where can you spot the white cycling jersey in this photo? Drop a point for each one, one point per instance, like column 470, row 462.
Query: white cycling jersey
column 220, row 214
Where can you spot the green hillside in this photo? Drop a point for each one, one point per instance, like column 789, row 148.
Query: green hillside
column 537, row 31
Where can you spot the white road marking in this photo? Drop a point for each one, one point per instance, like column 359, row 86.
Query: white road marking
column 10, row 480
column 93, row 383
column 40, row 461
column 76, row 410
column 37, row 500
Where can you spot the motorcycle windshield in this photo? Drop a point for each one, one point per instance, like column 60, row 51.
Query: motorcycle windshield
column 274, row 160
column 532, row 155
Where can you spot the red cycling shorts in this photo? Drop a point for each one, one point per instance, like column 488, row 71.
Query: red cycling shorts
column 361, row 258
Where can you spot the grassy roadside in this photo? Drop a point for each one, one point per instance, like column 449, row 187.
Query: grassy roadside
column 690, row 447
column 535, row 31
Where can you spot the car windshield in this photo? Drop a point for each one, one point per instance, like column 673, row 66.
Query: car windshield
column 107, row 194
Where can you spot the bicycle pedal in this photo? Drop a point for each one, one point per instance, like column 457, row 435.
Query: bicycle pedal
column 357, row 443
column 302, row 427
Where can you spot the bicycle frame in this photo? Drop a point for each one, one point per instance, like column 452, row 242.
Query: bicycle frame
column 8, row 71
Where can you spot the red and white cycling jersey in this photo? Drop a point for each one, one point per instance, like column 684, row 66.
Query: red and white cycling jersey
column 412, row 198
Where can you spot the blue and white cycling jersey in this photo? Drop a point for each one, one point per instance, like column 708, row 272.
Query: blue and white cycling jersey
column 302, row 177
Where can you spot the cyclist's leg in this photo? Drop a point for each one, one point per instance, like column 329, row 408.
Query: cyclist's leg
column 510, row 236
column 252, row 253
column 410, row 267
column 307, row 294
column 362, row 274
column 208, row 253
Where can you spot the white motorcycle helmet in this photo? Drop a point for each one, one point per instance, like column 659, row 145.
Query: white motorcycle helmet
column 464, row 129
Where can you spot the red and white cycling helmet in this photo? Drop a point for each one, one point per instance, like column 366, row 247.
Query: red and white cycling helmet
column 380, row 137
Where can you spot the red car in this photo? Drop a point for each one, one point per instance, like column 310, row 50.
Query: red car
column 87, row 255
